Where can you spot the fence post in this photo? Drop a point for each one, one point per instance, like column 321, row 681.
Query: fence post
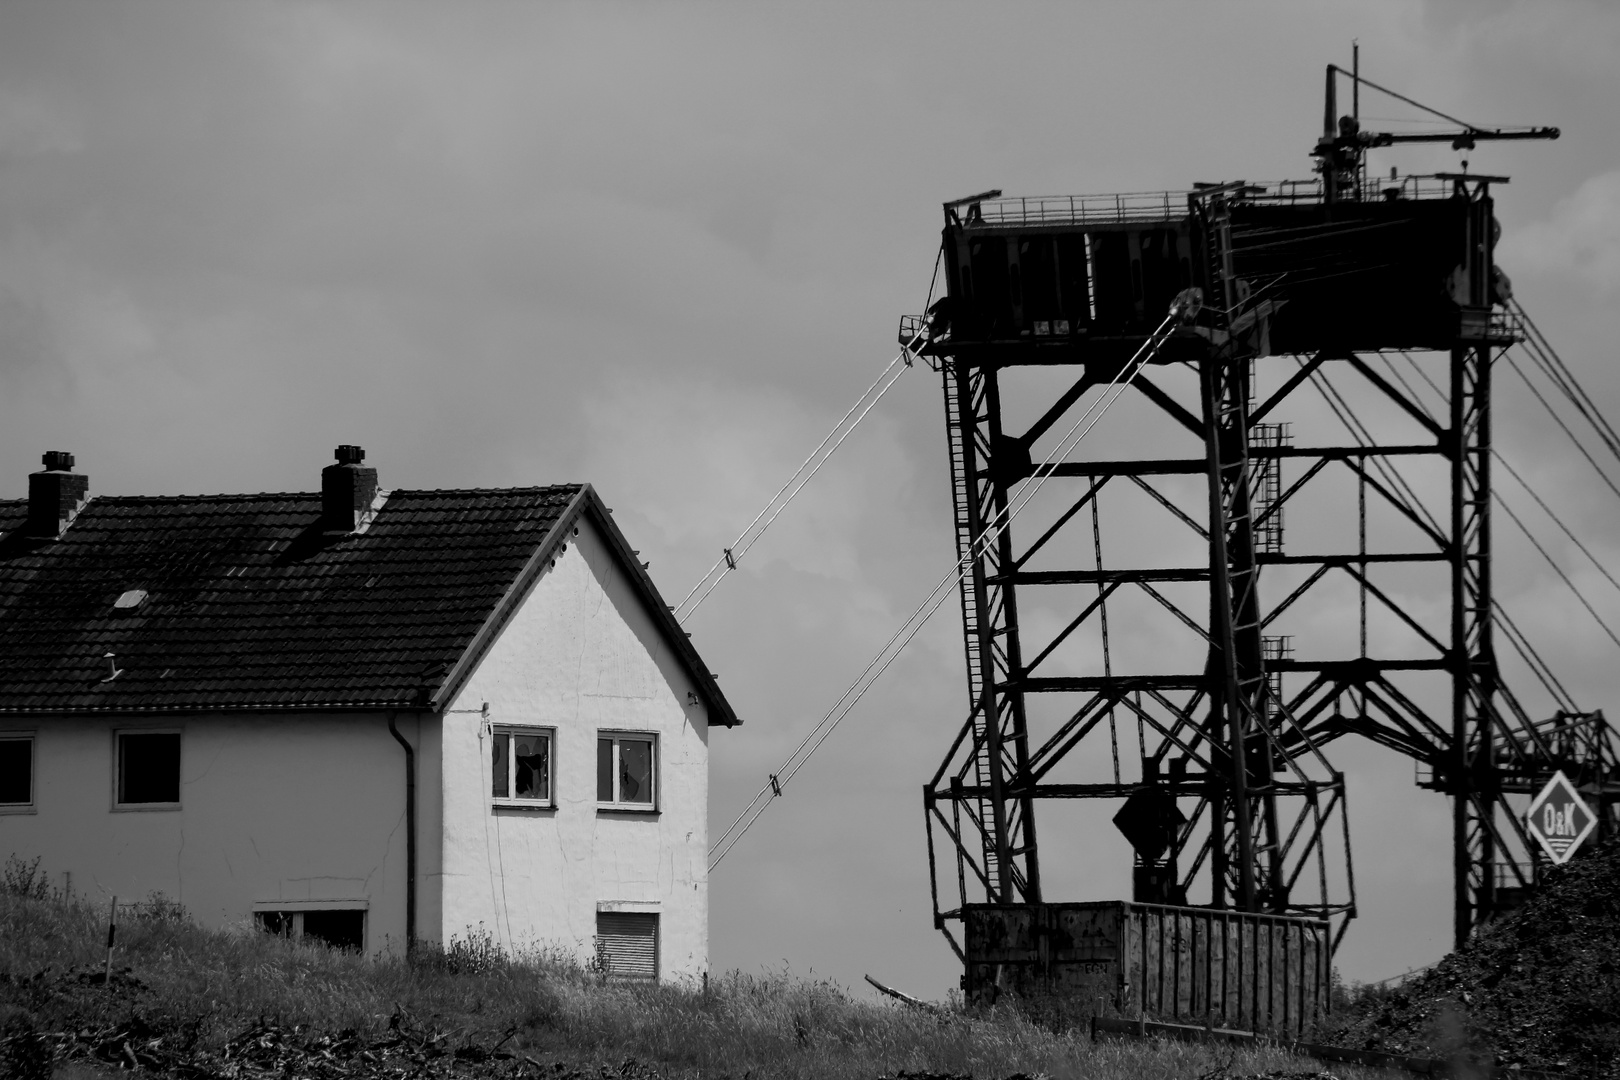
column 112, row 931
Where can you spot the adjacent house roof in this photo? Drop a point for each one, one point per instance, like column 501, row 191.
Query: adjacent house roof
column 248, row 604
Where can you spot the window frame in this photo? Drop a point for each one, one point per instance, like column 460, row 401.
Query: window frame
column 617, row 805
column 31, row 737
column 509, row 801
column 602, row 954
column 120, row 806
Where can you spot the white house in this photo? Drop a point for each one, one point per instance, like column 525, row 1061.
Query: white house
column 365, row 716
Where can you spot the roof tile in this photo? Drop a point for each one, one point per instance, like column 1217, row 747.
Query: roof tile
column 249, row 604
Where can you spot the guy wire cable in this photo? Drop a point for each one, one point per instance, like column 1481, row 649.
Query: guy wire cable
column 1572, row 388
column 1528, row 535
column 909, row 629
column 1515, row 637
column 731, row 556
column 1545, row 404
column 1532, row 659
column 1573, row 394
column 1497, row 454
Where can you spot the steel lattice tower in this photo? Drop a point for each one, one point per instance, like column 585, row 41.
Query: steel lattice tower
column 1232, row 801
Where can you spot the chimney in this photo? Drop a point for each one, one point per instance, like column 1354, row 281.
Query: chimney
column 348, row 490
column 55, row 495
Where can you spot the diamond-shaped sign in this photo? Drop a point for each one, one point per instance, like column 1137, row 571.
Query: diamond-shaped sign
column 1559, row 819
column 1149, row 819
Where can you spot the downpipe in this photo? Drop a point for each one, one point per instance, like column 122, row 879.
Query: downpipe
column 410, row 836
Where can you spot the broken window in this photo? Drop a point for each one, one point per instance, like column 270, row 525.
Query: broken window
column 336, row 928
column 626, row 767
column 627, row 944
column 520, row 765
column 16, row 770
column 148, row 768
column 341, row 929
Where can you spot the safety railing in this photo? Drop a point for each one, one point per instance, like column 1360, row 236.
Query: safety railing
column 1146, row 206
column 1130, row 206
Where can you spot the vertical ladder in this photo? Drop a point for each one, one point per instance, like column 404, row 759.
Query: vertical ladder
column 1266, row 487
column 958, row 433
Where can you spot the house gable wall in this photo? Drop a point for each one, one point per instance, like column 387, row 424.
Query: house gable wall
column 580, row 654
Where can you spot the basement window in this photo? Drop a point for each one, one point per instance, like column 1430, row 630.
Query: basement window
column 626, row 770
column 16, row 772
column 149, row 769
column 520, row 766
column 627, row 944
column 336, row 928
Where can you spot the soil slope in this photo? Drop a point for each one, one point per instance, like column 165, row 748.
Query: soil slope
column 1540, row 989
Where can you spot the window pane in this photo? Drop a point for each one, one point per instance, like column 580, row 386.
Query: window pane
column 16, row 771
column 604, row 770
column 635, row 771
column 530, row 754
column 499, row 773
column 149, row 768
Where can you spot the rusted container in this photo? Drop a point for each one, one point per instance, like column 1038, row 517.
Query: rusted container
column 1231, row 969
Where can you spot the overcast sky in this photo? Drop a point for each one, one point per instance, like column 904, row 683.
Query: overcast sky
column 661, row 248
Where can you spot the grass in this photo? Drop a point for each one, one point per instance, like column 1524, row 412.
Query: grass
column 207, row 985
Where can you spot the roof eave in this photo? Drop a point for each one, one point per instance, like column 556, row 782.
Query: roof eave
column 191, row 709
column 663, row 616
column 510, row 601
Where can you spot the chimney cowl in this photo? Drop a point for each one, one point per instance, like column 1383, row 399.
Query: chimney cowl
column 56, row 494
column 348, row 492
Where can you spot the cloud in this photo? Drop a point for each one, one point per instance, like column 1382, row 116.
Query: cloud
column 1579, row 241
column 32, row 125
column 25, row 335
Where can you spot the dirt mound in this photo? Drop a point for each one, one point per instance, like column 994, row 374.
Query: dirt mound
column 1540, row 989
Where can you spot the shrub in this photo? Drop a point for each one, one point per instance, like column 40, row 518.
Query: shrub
column 20, row 878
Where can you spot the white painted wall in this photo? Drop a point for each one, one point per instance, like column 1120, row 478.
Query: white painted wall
column 273, row 807
column 581, row 654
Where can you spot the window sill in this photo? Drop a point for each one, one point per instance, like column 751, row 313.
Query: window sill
column 144, row 808
column 622, row 810
column 523, row 806
column 19, row 808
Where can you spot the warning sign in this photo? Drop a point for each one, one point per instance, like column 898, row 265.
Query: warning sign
column 1559, row 819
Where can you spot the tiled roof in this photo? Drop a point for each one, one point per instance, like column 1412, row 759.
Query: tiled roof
column 250, row 605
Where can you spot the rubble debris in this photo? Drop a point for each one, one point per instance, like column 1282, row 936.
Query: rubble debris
column 266, row 1049
column 1539, row 989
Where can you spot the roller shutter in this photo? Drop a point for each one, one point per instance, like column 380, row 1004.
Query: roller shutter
column 627, row 943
